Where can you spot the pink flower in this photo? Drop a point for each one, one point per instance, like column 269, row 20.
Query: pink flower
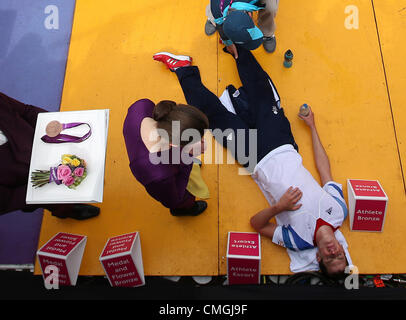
column 78, row 172
column 69, row 181
column 63, row 172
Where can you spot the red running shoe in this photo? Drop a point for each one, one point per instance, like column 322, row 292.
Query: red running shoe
column 172, row 61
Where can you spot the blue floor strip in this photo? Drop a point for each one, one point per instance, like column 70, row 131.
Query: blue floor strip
column 34, row 44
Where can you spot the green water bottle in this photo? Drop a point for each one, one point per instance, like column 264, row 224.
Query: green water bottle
column 288, row 59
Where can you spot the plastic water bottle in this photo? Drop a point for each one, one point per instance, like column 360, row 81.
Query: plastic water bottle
column 304, row 110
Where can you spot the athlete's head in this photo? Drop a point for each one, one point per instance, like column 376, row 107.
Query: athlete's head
column 331, row 258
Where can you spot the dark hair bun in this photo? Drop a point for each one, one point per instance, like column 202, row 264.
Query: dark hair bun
column 163, row 109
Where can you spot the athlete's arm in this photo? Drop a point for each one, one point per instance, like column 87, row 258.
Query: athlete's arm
column 288, row 202
column 320, row 155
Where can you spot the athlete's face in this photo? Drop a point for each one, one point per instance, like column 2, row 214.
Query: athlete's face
column 333, row 257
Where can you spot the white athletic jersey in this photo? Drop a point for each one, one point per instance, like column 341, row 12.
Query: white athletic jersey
column 274, row 174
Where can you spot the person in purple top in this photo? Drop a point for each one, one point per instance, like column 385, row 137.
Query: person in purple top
column 156, row 152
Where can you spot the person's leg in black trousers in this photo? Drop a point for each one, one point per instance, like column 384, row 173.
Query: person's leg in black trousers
column 220, row 118
column 265, row 111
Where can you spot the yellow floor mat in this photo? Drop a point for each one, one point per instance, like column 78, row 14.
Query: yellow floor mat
column 110, row 65
column 339, row 72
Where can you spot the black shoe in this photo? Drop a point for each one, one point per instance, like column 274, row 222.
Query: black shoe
column 79, row 212
column 197, row 209
column 209, row 28
column 84, row 211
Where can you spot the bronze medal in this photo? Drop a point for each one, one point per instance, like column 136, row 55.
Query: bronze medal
column 53, row 128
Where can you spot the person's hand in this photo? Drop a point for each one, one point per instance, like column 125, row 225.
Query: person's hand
column 203, row 146
column 309, row 119
column 197, row 148
column 233, row 50
column 289, row 200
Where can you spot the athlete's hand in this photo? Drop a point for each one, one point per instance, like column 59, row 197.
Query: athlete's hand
column 309, row 119
column 288, row 202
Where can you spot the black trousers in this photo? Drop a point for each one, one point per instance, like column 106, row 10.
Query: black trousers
column 256, row 107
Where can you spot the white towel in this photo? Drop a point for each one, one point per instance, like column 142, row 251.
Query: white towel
column 226, row 101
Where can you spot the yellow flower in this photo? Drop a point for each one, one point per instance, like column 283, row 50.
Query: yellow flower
column 66, row 160
column 75, row 162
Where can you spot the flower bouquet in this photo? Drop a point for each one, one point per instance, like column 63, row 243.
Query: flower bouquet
column 71, row 172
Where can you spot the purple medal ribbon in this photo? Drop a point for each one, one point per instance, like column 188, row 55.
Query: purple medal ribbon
column 54, row 129
column 53, row 176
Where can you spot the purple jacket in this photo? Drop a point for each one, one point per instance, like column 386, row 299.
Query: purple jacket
column 164, row 182
column 17, row 121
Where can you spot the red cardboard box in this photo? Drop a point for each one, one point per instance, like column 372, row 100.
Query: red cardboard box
column 64, row 251
column 122, row 261
column 243, row 258
column 367, row 203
